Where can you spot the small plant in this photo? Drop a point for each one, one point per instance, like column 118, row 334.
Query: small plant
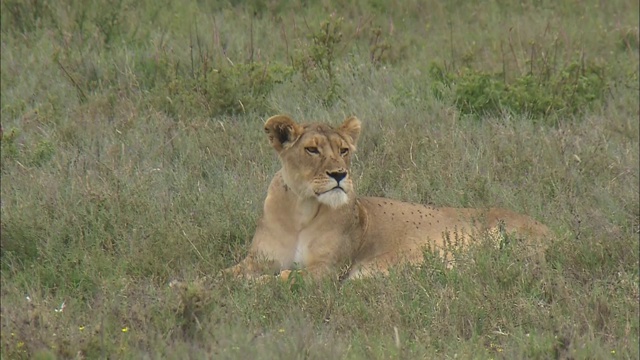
column 42, row 153
column 25, row 16
column 381, row 50
column 234, row 89
column 107, row 21
column 317, row 61
column 35, row 155
column 8, row 143
column 193, row 299
column 629, row 39
column 243, row 87
column 325, row 46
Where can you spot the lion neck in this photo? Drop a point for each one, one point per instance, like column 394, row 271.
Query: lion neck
column 305, row 211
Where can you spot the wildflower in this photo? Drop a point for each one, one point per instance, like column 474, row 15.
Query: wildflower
column 613, row 352
column 496, row 347
column 281, row 331
column 125, row 329
column 81, row 328
column 61, row 307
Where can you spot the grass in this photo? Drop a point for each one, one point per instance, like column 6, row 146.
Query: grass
column 133, row 155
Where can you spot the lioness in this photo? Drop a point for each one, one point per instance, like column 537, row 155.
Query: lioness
column 314, row 221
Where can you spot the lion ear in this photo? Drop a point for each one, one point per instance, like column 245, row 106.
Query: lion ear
column 351, row 127
column 282, row 131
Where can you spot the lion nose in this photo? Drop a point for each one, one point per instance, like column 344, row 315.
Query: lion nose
column 337, row 175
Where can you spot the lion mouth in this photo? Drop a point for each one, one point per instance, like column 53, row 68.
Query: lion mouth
column 337, row 187
column 334, row 197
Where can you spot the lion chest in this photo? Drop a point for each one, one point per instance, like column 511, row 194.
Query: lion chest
column 303, row 234
column 302, row 250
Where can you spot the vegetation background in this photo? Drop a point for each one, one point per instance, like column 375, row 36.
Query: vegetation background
column 133, row 155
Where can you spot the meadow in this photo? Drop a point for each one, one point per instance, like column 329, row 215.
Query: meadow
column 132, row 155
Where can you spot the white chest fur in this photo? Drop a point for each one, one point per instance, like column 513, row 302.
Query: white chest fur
column 306, row 211
column 302, row 249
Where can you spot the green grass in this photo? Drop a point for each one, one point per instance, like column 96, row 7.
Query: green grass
column 133, row 155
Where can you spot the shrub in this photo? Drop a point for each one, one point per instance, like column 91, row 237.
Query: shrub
column 229, row 90
column 546, row 94
column 317, row 62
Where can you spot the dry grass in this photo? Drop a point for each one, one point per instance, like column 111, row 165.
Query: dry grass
column 131, row 157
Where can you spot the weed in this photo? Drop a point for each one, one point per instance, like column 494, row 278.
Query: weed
column 234, row 89
column 9, row 146
column 629, row 39
column 43, row 152
column 107, row 20
column 379, row 49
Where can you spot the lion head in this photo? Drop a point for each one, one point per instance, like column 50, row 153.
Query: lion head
column 315, row 158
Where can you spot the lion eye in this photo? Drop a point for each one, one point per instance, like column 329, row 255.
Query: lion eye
column 344, row 151
column 312, row 150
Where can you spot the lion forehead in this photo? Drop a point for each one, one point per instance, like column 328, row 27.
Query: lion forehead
column 322, row 140
column 320, row 136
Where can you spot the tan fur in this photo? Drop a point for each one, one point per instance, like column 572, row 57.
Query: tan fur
column 311, row 225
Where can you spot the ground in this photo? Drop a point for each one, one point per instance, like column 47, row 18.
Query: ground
column 133, row 155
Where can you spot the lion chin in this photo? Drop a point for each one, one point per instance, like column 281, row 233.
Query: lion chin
column 334, row 198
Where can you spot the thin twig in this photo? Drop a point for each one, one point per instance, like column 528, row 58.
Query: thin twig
column 504, row 63
column 283, row 31
column 453, row 58
column 251, row 39
column 411, row 155
column 195, row 248
column 513, row 51
column 73, row 81
column 397, row 337
column 191, row 52
column 216, row 41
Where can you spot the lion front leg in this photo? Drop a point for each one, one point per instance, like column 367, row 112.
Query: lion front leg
column 315, row 271
column 252, row 268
